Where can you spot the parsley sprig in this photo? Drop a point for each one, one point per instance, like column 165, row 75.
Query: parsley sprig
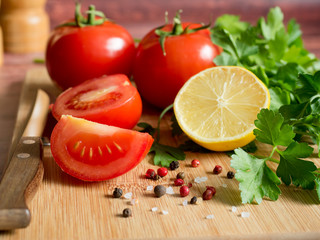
column 256, row 179
column 275, row 53
column 163, row 154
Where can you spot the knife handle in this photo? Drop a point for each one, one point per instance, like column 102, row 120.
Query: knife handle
column 19, row 182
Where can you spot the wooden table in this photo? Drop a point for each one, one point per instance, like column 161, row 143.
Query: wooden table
column 61, row 191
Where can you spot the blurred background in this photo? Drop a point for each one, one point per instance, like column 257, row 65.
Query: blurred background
column 139, row 16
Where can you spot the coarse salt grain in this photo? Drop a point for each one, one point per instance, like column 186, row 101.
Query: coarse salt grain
column 224, row 185
column 233, row 208
column 200, row 179
column 245, row 214
column 164, row 212
column 185, row 203
column 154, row 209
column 169, row 190
column 128, row 195
column 211, row 216
column 149, row 188
column 134, row 201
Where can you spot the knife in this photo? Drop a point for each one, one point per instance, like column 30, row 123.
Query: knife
column 24, row 170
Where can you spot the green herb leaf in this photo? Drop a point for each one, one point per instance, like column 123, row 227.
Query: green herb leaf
column 164, row 154
column 294, row 170
column 317, row 183
column 272, row 130
column 256, row 178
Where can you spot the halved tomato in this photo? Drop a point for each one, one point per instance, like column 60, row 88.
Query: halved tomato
column 111, row 100
column 95, row 152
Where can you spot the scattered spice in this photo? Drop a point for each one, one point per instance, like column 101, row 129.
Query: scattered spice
column 185, row 203
column 189, row 185
column 162, row 171
column 117, row 193
column 174, row 165
column 211, row 216
column 128, row 195
column 209, row 193
column 154, row 209
column 156, row 177
column 181, row 175
column 217, row 169
column 245, row 214
column 178, row 182
column 184, row 191
column 165, row 212
column 127, row 212
column 195, row 163
column 193, row 200
column 150, row 174
column 230, row 175
column 160, row 190
column 169, row 190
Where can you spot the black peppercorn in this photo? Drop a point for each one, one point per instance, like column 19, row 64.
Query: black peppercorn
column 180, row 175
column 193, row 200
column 156, row 177
column 117, row 192
column 159, row 190
column 230, row 175
column 127, row 212
column 174, row 165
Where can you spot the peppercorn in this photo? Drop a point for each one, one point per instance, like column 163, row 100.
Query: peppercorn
column 127, row 212
column 230, row 175
column 195, row 163
column 217, row 169
column 150, row 174
column 193, row 200
column 184, row 191
column 117, row 193
column 156, row 177
column 159, row 190
column 180, row 175
column 178, row 182
column 174, row 165
column 162, row 171
column 209, row 193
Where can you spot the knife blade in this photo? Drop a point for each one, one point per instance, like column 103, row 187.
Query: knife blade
column 24, row 170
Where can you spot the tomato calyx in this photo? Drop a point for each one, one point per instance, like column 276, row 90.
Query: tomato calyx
column 93, row 18
column 177, row 29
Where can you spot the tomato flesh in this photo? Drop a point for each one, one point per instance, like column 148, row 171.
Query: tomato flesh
column 111, row 100
column 95, row 152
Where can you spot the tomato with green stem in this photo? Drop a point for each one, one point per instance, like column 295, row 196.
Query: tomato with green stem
column 95, row 152
column 88, row 48
column 168, row 56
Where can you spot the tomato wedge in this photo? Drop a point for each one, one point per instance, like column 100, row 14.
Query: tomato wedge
column 111, row 100
column 95, row 152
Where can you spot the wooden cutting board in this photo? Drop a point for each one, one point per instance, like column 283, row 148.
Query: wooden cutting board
column 67, row 208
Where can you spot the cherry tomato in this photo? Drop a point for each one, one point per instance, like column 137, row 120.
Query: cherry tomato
column 95, row 152
column 159, row 77
column 111, row 100
column 75, row 54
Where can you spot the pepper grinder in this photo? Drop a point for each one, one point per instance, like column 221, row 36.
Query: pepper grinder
column 25, row 25
column 1, row 44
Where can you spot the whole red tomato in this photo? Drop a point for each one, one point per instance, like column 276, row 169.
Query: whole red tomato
column 161, row 70
column 86, row 49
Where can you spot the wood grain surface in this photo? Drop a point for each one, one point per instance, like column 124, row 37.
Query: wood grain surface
column 67, row 208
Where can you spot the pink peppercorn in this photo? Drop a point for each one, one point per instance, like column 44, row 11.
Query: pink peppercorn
column 162, row 171
column 178, row 182
column 195, row 163
column 184, row 191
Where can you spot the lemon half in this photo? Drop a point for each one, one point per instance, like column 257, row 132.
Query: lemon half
column 217, row 107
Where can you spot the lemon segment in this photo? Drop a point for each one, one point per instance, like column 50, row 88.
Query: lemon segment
column 217, row 107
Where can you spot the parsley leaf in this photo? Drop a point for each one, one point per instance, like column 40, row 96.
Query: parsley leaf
column 317, row 182
column 295, row 170
column 256, row 178
column 272, row 130
column 164, row 154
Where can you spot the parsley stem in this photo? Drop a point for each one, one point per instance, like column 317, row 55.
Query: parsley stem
column 159, row 120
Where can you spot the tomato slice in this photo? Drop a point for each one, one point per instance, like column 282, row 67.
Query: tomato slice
column 111, row 100
column 95, row 152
